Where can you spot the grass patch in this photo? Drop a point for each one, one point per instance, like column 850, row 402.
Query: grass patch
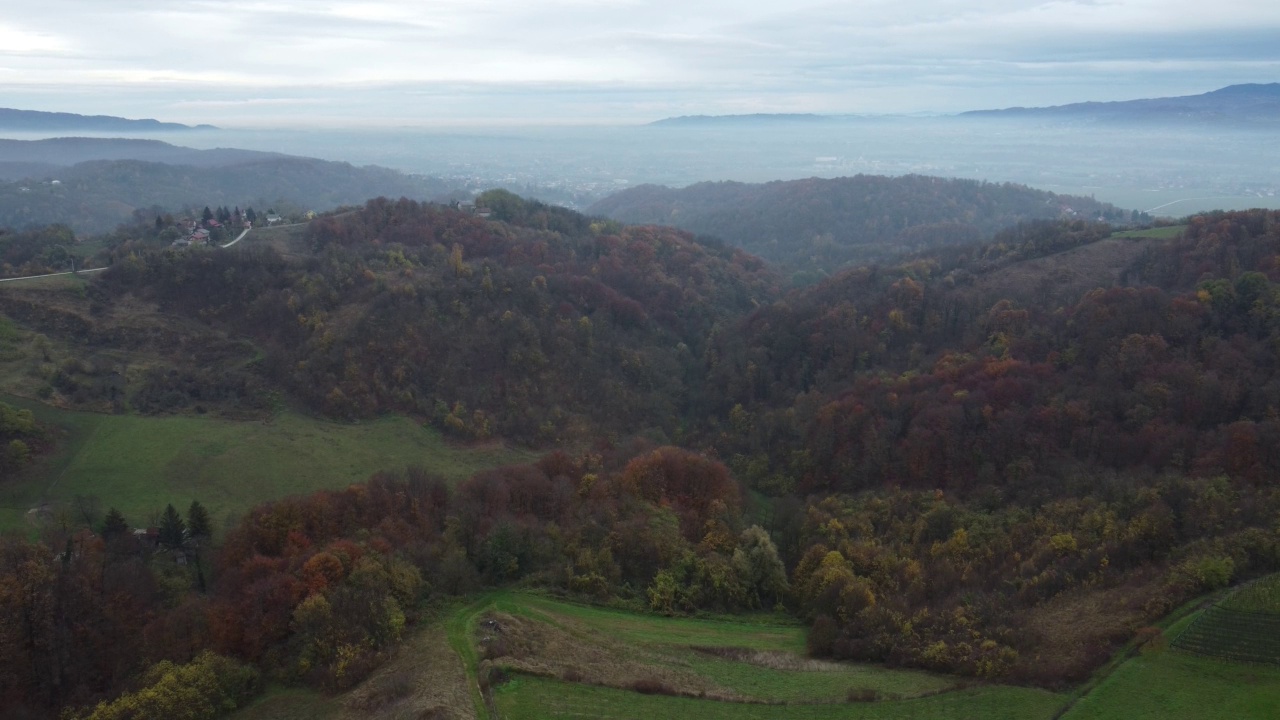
column 459, row 629
column 540, row 698
column 138, row 464
column 1161, row 233
column 1172, row 685
column 764, row 632
column 738, row 663
column 790, row 678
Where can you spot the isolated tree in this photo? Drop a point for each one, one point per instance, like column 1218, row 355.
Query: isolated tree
column 198, row 524
column 172, row 529
column 114, row 524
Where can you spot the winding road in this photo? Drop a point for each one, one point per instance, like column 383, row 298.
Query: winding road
column 94, row 270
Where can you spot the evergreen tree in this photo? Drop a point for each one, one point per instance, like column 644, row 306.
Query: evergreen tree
column 198, row 525
column 207, row 215
column 114, row 525
column 172, row 529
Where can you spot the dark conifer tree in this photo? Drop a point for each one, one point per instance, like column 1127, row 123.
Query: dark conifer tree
column 172, row 529
column 198, row 525
column 114, row 524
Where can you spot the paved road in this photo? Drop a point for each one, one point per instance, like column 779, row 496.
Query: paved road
column 238, row 239
column 94, row 270
column 76, row 272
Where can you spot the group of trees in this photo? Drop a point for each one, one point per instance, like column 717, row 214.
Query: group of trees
column 38, row 251
column 317, row 589
column 21, row 438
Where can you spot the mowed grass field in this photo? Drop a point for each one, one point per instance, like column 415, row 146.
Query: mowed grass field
column 1173, row 685
column 569, row 660
column 139, row 464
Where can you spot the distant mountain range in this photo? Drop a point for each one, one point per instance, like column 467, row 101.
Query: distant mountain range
column 38, row 121
column 1254, row 103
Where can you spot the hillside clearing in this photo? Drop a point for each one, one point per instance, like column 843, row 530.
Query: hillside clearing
column 139, row 464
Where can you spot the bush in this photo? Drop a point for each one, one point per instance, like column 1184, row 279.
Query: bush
column 863, row 695
column 203, row 689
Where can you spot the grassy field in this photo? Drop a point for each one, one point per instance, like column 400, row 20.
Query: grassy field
column 437, row 670
column 540, row 698
column 573, row 660
column 138, row 464
column 1173, row 685
column 1161, row 233
column 760, row 632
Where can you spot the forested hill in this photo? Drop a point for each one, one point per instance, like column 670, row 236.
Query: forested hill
column 823, row 224
column 938, row 373
column 541, row 328
column 95, row 196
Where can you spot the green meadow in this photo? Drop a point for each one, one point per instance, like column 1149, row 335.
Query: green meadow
column 570, row 660
column 586, row 661
column 1173, row 685
column 139, row 464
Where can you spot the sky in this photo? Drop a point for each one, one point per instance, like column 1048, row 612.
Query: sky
column 301, row 63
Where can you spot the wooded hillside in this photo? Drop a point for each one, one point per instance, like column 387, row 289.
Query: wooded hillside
column 818, row 225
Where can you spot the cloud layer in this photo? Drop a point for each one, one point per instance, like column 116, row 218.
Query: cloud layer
column 273, row 62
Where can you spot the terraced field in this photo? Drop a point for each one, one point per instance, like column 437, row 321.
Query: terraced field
column 1233, row 635
column 1243, row 627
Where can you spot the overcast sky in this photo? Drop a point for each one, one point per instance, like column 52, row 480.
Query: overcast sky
column 298, row 62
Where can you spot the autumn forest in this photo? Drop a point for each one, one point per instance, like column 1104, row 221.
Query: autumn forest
column 942, row 442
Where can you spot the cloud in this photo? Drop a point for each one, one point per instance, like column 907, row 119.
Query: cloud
column 708, row 56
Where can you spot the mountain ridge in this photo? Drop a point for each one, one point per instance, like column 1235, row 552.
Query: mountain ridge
column 40, row 120
column 1253, row 102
